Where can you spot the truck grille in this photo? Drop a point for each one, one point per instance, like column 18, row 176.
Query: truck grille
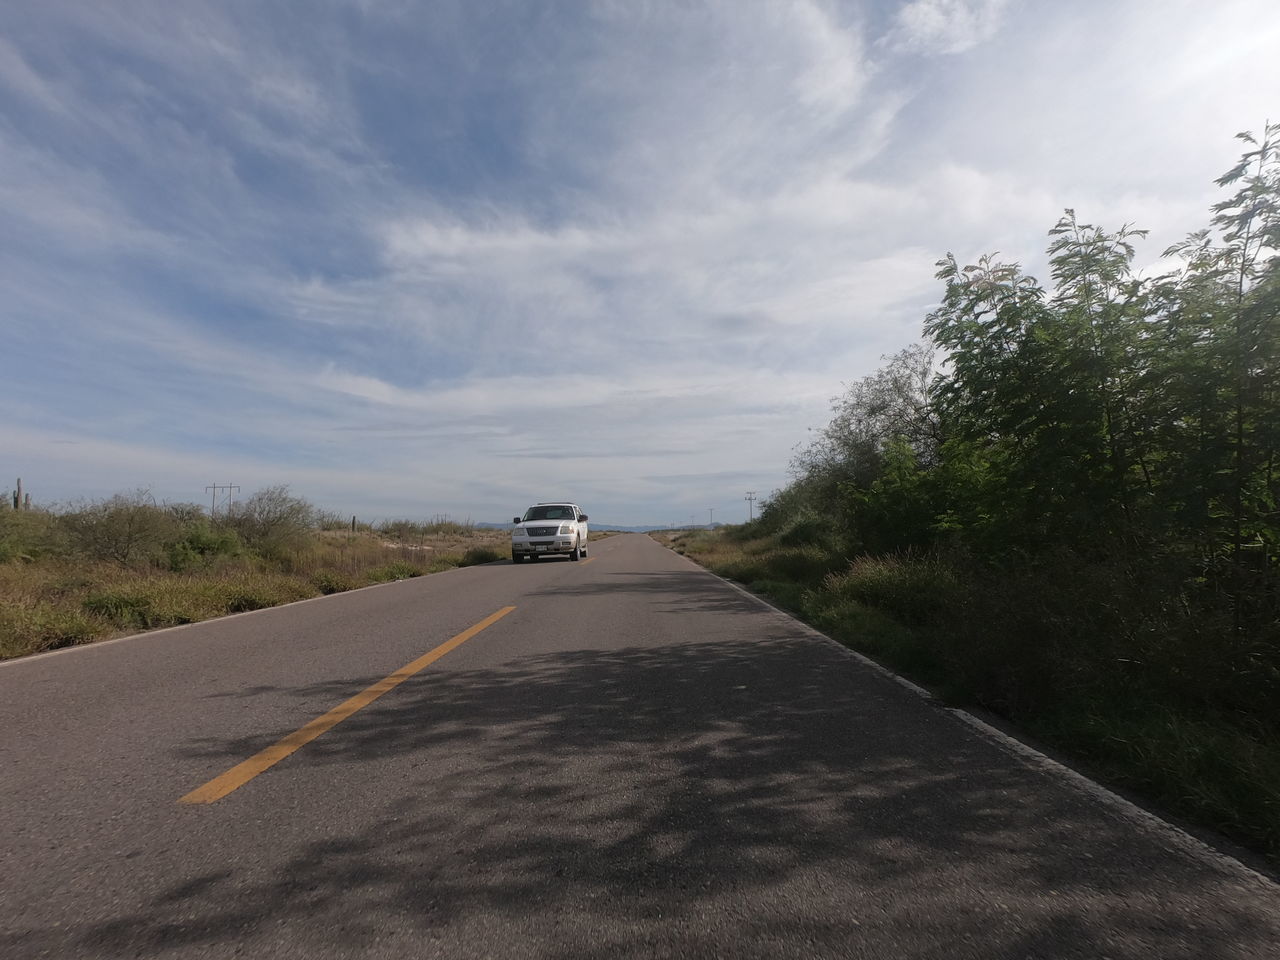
column 543, row 531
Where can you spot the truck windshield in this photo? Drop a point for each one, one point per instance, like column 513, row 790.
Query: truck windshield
column 553, row 512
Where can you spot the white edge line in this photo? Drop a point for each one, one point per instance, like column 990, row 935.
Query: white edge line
column 98, row 644
column 1193, row 846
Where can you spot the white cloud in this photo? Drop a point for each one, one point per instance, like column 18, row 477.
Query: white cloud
column 292, row 253
column 945, row 26
column 17, row 75
column 836, row 77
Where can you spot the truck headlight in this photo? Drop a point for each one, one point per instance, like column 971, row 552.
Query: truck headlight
column 566, row 529
column 518, row 533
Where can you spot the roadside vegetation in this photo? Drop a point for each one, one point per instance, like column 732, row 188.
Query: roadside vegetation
column 88, row 571
column 1064, row 506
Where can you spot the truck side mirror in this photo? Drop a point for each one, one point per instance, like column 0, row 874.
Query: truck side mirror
column 583, row 518
column 515, row 519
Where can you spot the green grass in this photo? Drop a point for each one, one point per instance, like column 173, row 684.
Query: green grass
column 35, row 628
column 331, row 581
column 166, row 601
column 1206, row 768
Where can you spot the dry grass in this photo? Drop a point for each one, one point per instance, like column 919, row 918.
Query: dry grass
column 49, row 603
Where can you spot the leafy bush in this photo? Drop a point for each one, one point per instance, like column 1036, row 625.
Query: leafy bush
column 127, row 529
column 742, row 532
column 915, row 590
column 199, row 544
column 805, row 565
column 273, row 520
column 805, row 529
column 28, row 534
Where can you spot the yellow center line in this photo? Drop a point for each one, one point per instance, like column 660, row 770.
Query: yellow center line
column 242, row 773
column 590, row 560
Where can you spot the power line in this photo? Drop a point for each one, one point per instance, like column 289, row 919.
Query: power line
column 230, row 489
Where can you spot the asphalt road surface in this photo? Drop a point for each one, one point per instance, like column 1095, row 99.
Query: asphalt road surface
column 636, row 761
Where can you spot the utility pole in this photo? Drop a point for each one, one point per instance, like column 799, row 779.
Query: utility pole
column 751, row 502
column 711, row 517
column 230, row 489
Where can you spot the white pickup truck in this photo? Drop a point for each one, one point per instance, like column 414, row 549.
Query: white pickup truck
column 549, row 529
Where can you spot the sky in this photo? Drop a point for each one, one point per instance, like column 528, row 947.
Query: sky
column 419, row 259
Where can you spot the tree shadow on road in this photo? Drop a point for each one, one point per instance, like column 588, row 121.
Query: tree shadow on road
column 707, row 797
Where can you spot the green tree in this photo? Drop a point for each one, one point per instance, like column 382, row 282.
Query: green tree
column 889, row 409
column 1227, row 298
column 1101, row 311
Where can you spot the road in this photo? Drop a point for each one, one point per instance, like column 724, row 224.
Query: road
column 637, row 760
